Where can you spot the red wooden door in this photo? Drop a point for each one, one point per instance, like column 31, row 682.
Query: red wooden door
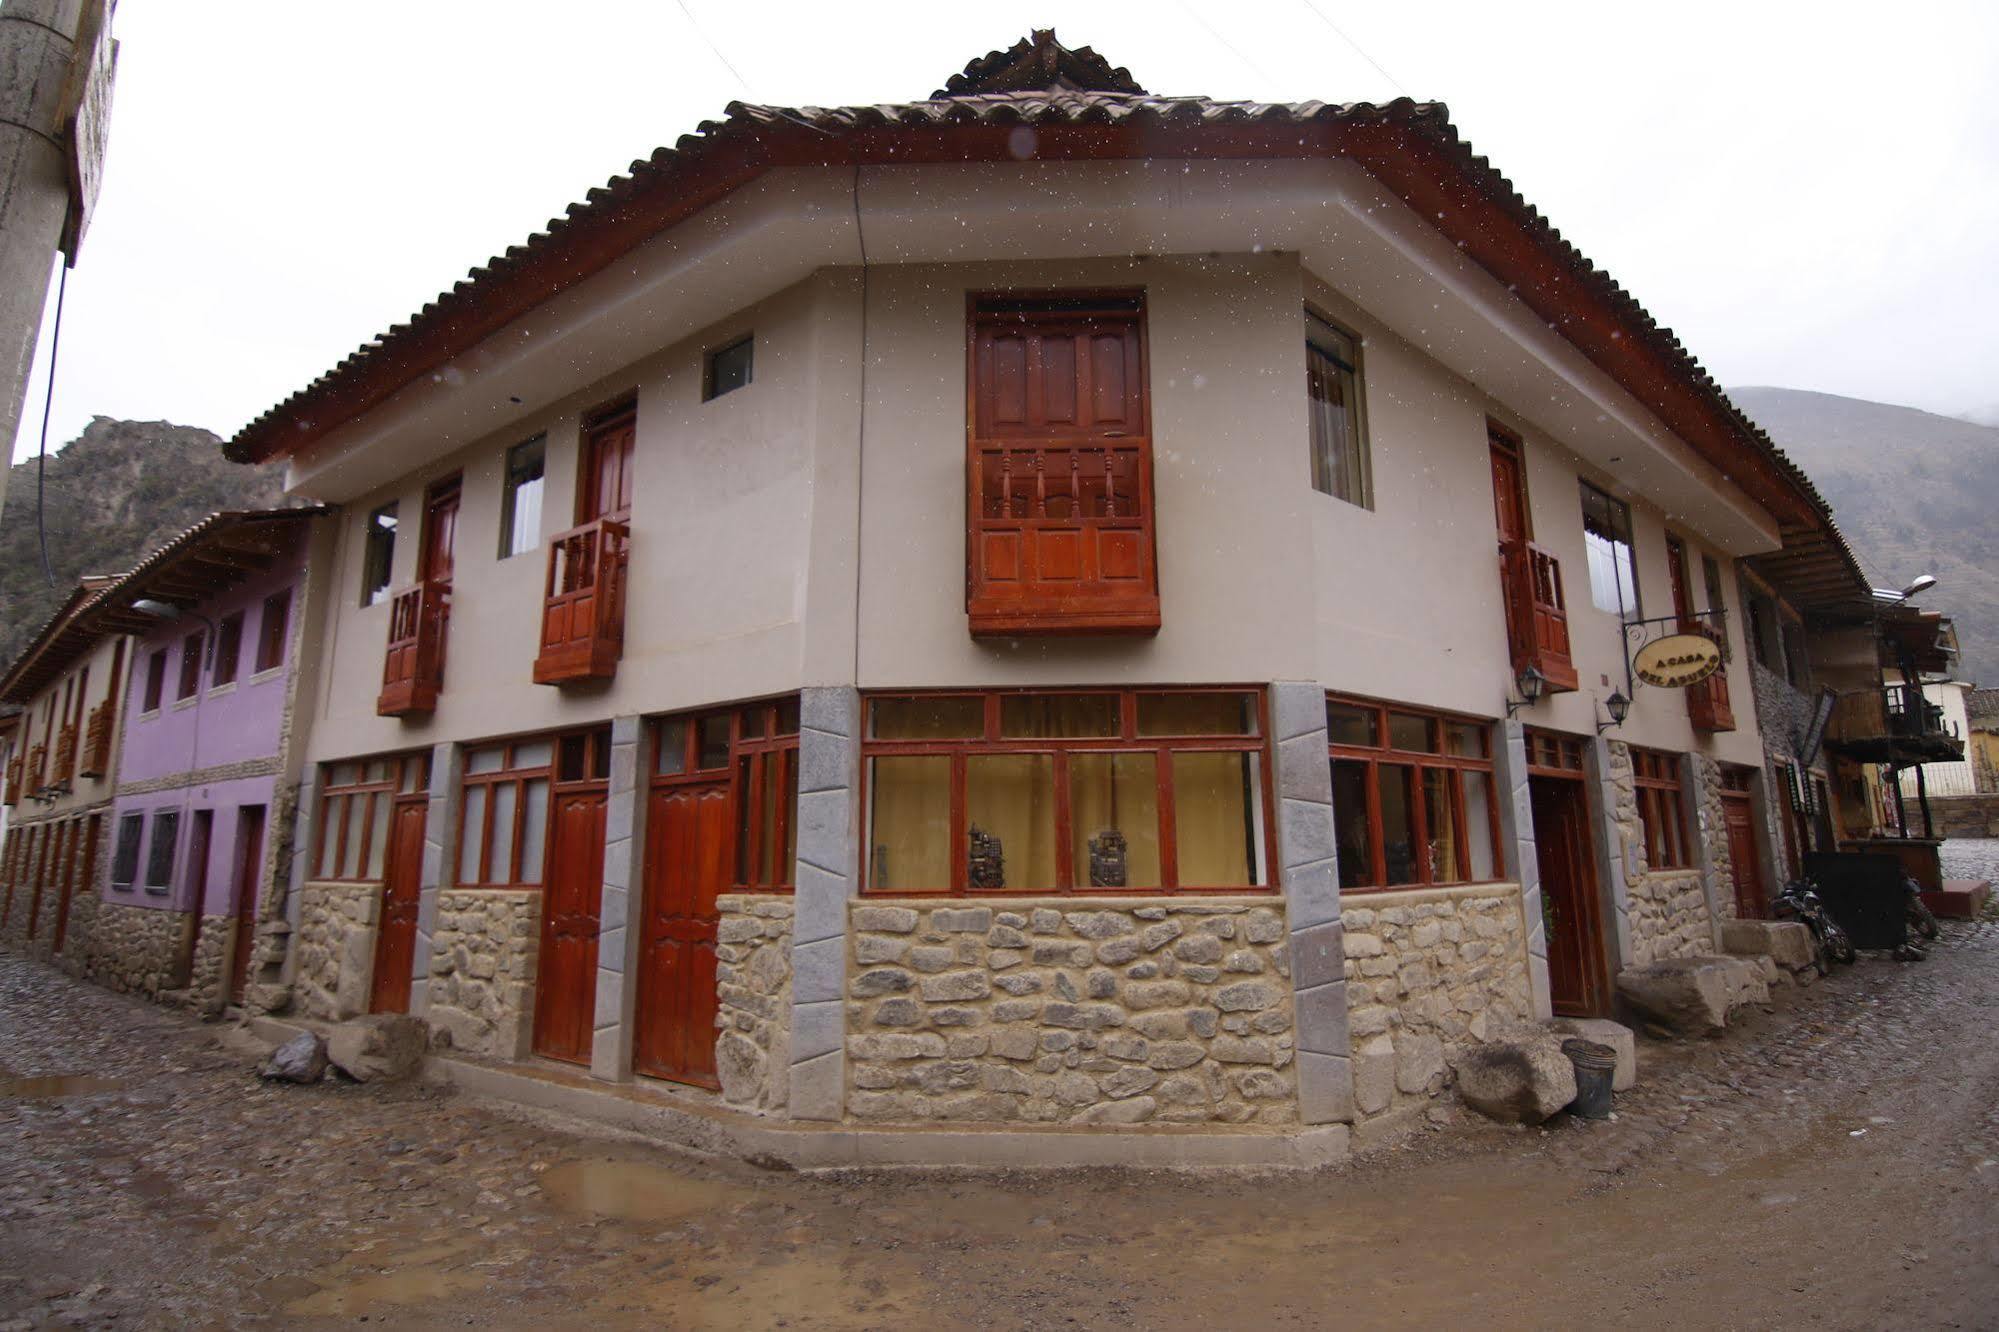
column 440, row 531
column 1578, row 972
column 84, row 864
column 57, row 859
column 1751, row 899
column 1509, row 496
column 402, row 886
column 566, row 986
column 249, row 864
column 1676, row 567
column 607, row 473
column 198, row 841
column 687, row 868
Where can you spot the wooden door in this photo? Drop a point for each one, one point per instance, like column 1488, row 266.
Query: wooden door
column 1744, row 867
column 440, row 532
column 54, row 862
column 402, row 886
column 1578, row 971
column 606, row 491
column 565, row 1007
column 249, row 866
column 198, row 840
column 84, row 863
column 1676, row 568
column 1509, row 496
column 687, row 867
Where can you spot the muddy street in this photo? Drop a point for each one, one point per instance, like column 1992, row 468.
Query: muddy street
column 1835, row 1162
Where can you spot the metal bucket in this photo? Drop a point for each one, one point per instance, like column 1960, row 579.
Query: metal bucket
column 1596, row 1066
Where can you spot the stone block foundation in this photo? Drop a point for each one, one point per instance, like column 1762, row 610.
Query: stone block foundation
column 753, row 992
column 336, row 948
column 134, row 949
column 482, row 971
column 1070, row 1011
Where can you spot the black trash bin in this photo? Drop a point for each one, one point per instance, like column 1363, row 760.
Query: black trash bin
column 1596, row 1066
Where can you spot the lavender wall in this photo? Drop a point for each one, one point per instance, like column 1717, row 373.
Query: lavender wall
column 218, row 877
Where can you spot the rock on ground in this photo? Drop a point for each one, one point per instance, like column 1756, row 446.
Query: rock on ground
column 301, row 1059
column 1518, row 1081
column 381, row 1047
column 1693, row 995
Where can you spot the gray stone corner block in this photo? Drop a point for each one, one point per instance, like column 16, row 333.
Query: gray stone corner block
column 1297, row 707
column 610, row 997
column 819, row 969
column 626, row 730
column 817, row 1029
column 1322, row 1019
column 834, row 709
column 613, row 912
column 1304, row 832
column 1325, row 1088
column 1303, row 770
column 820, row 906
column 827, row 832
column 1312, row 893
column 826, row 762
column 1318, row 955
column 819, row 1087
column 620, row 813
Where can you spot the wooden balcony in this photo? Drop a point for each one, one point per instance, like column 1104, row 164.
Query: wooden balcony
column 65, row 755
column 16, row 769
column 1061, row 541
column 1537, row 616
column 1891, row 725
column 37, row 775
column 413, row 667
column 583, row 611
column 1707, row 702
column 97, row 739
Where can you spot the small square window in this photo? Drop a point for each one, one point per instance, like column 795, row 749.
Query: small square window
column 228, row 649
column 271, row 630
column 156, row 679
column 190, row 665
column 520, row 504
column 728, row 368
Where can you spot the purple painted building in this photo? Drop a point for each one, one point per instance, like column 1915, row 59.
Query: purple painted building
column 208, row 772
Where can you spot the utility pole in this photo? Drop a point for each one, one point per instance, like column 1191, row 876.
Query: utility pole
column 56, row 62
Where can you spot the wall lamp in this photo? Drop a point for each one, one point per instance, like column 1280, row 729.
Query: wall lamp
column 1618, row 706
column 1531, row 684
column 166, row 610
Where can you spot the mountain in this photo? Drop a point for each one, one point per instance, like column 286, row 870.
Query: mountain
column 112, row 494
column 1914, row 492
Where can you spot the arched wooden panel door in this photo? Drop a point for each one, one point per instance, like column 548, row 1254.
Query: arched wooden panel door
column 402, row 882
column 566, row 986
column 687, row 868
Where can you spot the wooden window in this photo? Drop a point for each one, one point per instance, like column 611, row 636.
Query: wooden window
column 156, row 679
column 354, row 811
column 610, row 442
column 190, row 665
column 728, row 368
column 1333, row 398
column 503, row 813
column 754, row 748
column 271, row 627
column 228, row 649
column 1763, row 634
column 1059, row 468
column 125, row 861
column 1552, row 754
column 378, row 554
column 160, row 851
column 1796, row 669
column 1085, row 792
column 1613, row 570
column 1661, row 808
column 1717, row 603
column 520, row 498
column 1412, row 796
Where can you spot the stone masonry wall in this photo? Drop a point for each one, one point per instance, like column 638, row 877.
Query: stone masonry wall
column 1428, row 971
column 753, row 990
column 80, row 938
column 135, row 949
column 1071, row 1011
column 336, row 948
column 1668, row 908
column 482, row 971
column 214, row 943
column 1711, row 820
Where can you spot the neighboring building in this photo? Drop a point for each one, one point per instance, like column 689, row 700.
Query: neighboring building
column 1981, row 710
column 991, row 605
column 68, row 684
column 1950, row 704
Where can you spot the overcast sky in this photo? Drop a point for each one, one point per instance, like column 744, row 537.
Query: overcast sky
column 1807, row 193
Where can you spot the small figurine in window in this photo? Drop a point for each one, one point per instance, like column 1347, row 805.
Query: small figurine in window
column 985, row 862
column 1107, row 859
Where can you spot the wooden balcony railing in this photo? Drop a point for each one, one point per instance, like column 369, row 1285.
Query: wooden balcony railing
column 413, row 667
column 38, row 769
column 65, row 755
column 16, row 770
column 1537, row 616
column 1896, row 712
column 1707, row 702
column 1061, row 540
column 583, row 610
column 97, row 739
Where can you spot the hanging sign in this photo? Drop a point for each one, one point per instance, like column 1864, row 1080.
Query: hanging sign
column 1677, row 660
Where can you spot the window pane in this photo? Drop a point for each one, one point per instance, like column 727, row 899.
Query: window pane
column 1350, row 831
column 1197, row 714
column 1114, row 793
column 1440, row 792
column 520, row 507
column 357, row 825
column 746, row 818
column 1607, row 540
column 714, row 742
column 729, row 367
column 534, row 753
column 344, row 774
column 1217, row 820
column 574, row 757
column 378, row 771
column 909, row 823
column 1398, row 821
column 378, row 844
column 1464, row 739
column 1349, row 725
column 927, row 718
column 1415, row 734
column 787, row 716
column 331, row 811
column 500, row 832
column 1480, row 859
column 790, row 816
column 1059, row 716
column 670, row 748
column 486, row 760
column 472, row 835
column 768, row 870
column 1011, row 798
column 534, row 828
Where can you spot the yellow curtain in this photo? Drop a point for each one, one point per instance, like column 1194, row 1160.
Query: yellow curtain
column 1216, row 820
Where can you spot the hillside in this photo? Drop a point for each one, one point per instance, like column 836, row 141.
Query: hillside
column 116, row 491
column 1914, row 493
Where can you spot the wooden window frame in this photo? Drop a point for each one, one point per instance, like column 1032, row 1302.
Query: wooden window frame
column 378, row 553
column 171, row 818
column 1127, row 741
column 191, row 647
column 274, row 630
column 1371, row 757
column 507, row 774
column 156, row 681
column 1553, row 754
column 1662, row 808
column 1618, row 510
column 513, row 476
column 136, row 821
column 710, row 390
column 1363, row 469
column 407, row 773
column 228, row 650
column 763, row 745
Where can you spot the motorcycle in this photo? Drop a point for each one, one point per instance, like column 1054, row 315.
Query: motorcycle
column 1922, row 920
column 1800, row 902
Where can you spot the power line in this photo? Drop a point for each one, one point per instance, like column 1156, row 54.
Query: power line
column 1358, row 49
column 1210, row 29
column 48, row 406
column 688, row 14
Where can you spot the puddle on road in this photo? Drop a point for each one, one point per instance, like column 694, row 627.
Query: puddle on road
column 56, row 1086
column 633, row 1191
column 356, row 1285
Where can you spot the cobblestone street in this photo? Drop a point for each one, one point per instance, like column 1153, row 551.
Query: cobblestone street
column 1834, row 1162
